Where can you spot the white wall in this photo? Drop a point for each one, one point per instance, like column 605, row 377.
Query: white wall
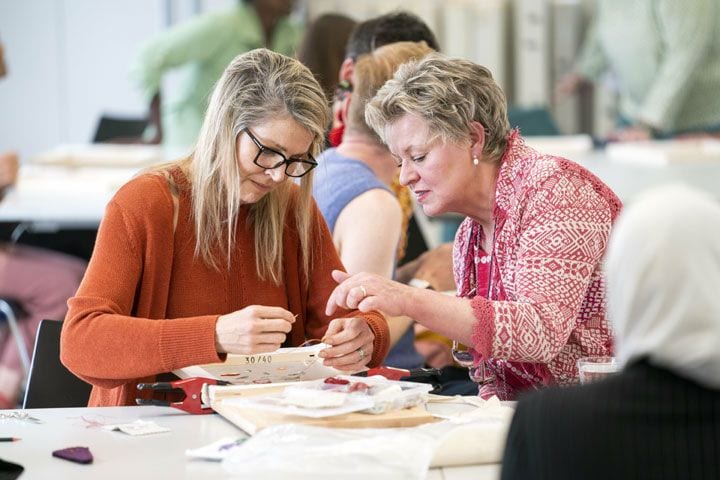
column 29, row 95
column 68, row 62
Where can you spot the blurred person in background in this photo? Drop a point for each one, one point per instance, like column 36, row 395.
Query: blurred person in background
column 352, row 189
column 37, row 282
column 322, row 48
column 434, row 270
column 659, row 417
column 527, row 259
column 203, row 47
column 664, row 56
column 367, row 36
column 219, row 252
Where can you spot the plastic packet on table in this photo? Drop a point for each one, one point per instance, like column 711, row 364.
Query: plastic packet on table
column 303, row 402
column 340, row 395
column 304, row 452
column 375, row 395
column 386, row 395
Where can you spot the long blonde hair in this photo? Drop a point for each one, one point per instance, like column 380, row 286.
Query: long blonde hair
column 255, row 87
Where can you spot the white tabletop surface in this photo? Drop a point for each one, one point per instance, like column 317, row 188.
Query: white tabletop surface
column 77, row 195
column 121, row 456
column 71, row 184
column 63, row 195
column 627, row 179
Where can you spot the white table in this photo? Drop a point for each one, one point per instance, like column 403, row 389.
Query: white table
column 62, row 196
column 70, row 185
column 120, row 456
column 628, row 179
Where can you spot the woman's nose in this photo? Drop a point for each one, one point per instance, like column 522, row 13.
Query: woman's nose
column 277, row 174
column 407, row 173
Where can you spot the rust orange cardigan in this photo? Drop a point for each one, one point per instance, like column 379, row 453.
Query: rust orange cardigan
column 147, row 305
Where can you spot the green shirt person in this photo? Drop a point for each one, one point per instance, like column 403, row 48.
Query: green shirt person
column 665, row 56
column 202, row 48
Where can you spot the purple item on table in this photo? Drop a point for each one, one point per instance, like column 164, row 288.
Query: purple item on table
column 75, row 454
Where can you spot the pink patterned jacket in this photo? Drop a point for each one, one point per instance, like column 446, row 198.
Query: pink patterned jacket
column 546, row 304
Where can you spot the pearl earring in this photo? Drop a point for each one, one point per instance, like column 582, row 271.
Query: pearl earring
column 475, row 160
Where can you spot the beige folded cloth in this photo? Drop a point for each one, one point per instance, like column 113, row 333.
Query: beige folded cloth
column 473, row 432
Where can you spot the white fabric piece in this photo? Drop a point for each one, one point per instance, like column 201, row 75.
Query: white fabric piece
column 663, row 277
column 469, row 436
column 303, row 452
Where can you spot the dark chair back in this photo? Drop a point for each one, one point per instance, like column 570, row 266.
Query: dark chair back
column 110, row 128
column 50, row 384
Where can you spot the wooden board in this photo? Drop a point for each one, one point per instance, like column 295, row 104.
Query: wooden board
column 252, row 421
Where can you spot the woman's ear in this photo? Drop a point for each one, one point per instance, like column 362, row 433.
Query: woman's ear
column 477, row 138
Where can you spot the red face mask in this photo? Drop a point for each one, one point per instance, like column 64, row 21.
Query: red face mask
column 336, row 134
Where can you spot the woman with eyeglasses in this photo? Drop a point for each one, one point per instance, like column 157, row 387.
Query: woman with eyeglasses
column 221, row 252
column 528, row 256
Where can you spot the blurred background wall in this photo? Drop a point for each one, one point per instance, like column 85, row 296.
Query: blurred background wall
column 68, row 60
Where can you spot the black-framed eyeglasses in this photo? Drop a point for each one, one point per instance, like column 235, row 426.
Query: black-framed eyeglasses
column 269, row 158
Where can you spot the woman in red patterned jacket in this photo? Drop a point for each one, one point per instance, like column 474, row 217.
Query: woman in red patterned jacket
column 527, row 258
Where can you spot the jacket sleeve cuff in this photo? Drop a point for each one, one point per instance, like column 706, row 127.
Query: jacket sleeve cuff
column 483, row 331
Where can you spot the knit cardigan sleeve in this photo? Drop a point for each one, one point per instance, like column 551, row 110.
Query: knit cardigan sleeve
column 112, row 334
column 325, row 260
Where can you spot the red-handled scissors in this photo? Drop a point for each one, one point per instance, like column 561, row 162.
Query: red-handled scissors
column 193, row 388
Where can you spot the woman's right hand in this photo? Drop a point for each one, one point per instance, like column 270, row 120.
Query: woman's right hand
column 253, row 329
column 368, row 291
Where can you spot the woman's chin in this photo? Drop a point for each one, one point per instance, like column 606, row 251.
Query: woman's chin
column 432, row 210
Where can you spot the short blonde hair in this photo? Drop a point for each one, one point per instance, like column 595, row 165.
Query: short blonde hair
column 448, row 93
column 371, row 72
column 257, row 86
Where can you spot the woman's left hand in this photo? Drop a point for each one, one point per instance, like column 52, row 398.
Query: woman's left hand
column 351, row 343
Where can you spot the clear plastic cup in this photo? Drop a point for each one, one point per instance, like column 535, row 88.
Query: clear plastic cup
column 592, row 369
